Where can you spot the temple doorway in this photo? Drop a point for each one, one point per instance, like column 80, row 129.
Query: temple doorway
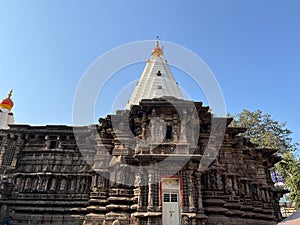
column 171, row 201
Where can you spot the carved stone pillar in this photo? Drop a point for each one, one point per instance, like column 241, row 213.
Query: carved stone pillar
column 150, row 193
column 176, row 128
column 144, row 127
column 138, row 190
column 47, row 142
column 183, row 138
column 94, row 180
column 263, row 195
column 229, row 185
column 199, row 200
column 235, row 186
column 259, row 195
column 219, row 181
column 268, row 195
column 73, row 184
column 247, row 187
column 191, row 191
column 22, row 183
column 78, row 184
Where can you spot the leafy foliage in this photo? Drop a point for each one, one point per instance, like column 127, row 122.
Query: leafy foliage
column 289, row 167
column 265, row 131
column 269, row 133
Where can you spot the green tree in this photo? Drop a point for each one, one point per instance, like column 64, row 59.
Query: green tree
column 269, row 133
column 265, row 131
column 289, row 167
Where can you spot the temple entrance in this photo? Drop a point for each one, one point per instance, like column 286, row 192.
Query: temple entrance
column 171, row 201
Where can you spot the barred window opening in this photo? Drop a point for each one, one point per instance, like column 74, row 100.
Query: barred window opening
column 8, row 156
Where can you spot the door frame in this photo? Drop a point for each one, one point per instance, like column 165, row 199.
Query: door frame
column 179, row 191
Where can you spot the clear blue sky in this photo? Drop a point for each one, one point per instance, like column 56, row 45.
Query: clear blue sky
column 253, row 48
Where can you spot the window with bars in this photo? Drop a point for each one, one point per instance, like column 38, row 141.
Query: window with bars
column 144, row 195
column 174, row 197
column 166, row 197
column 185, row 190
column 170, row 197
column 195, row 193
column 155, row 190
column 8, row 156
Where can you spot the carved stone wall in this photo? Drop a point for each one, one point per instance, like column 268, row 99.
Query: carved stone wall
column 51, row 181
column 110, row 173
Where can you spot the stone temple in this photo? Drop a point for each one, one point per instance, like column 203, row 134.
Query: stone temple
column 162, row 160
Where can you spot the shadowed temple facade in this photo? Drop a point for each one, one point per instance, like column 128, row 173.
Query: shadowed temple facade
column 162, row 160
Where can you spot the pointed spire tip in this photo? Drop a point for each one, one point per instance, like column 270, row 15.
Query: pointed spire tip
column 10, row 93
column 157, row 42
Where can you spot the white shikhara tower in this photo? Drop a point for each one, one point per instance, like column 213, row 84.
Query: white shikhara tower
column 6, row 116
column 156, row 80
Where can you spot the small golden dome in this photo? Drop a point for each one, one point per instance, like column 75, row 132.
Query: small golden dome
column 157, row 51
column 7, row 103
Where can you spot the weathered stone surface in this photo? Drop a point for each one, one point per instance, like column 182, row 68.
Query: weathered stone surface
column 49, row 178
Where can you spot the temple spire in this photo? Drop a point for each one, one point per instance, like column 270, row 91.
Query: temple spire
column 156, row 80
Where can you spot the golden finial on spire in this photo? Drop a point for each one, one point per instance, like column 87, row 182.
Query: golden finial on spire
column 10, row 93
column 157, row 42
column 7, row 103
column 157, row 51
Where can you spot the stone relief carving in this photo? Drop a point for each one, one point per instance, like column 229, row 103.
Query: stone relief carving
column 53, row 184
column 213, row 180
column 254, row 192
column 73, row 184
column 27, row 184
column 116, row 222
column 229, row 186
column 63, row 184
